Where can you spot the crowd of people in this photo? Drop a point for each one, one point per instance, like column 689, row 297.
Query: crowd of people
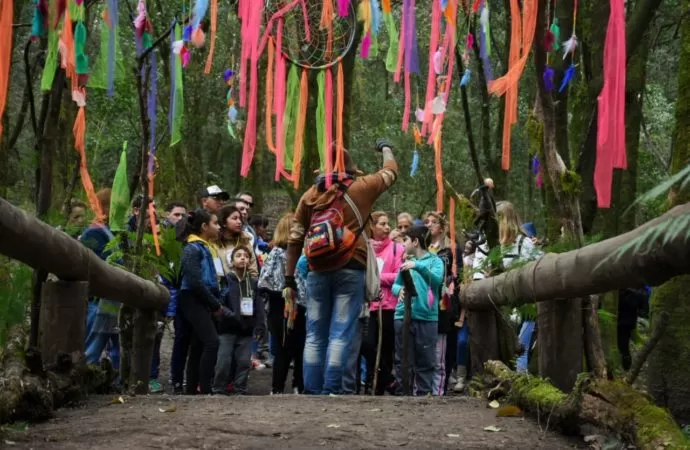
column 323, row 298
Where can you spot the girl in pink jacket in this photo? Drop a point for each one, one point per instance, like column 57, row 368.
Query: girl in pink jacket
column 389, row 256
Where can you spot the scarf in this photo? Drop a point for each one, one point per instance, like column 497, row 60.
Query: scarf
column 379, row 246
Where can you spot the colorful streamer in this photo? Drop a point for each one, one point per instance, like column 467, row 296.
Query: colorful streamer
column 6, row 17
column 176, row 90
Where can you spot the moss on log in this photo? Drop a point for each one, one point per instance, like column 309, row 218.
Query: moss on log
column 612, row 405
column 32, row 394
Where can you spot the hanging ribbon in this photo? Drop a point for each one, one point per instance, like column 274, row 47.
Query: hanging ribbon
column 328, row 134
column 176, row 89
column 79, row 131
column 299, row 132
column 268, row 110
column 279, row 101
column 611, row 103
column 6, row 17
column 114, row 20
column 290, row 123
column 392, row 53
column 340, row 144
column 508, row 84
column 321, row 119
column 255, row 10
column 214, row 30
column 119, row 199
column 434, row 53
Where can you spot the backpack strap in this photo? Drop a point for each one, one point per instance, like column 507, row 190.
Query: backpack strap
column 349, row 201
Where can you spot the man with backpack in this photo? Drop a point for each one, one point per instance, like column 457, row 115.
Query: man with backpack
column 330, row 221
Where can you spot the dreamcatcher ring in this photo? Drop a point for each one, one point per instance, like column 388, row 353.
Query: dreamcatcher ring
column 303, row 20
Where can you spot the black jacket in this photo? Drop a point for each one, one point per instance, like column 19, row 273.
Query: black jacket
column 234, row 322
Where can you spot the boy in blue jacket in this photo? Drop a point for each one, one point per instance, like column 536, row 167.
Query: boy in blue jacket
column 427, row 272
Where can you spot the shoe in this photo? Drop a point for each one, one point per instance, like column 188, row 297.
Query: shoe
column 295, row 391
column 460, row 384
column 177, row 388
column 155, row 387
column 258, row 365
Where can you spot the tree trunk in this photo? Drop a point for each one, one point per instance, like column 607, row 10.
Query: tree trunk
column 612, row 405
column 560, row 325
column 669, row 365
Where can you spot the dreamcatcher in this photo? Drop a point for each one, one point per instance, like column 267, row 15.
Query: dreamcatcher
column 310, row 35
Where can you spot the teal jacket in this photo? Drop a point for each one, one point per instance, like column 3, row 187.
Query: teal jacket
column 427, row 276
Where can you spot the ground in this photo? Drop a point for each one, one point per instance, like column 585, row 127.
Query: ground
column 260, row 421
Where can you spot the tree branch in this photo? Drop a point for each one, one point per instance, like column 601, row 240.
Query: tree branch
column 659, row 329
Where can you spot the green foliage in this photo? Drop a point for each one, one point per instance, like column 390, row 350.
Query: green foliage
column 15, row 292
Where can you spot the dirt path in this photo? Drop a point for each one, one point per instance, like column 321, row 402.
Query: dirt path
column 260, row 421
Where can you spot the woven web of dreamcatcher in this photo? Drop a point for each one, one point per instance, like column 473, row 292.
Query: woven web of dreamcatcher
column 313, row 54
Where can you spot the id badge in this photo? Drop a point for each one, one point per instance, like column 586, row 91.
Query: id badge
column 247, row 306
column 218, row 264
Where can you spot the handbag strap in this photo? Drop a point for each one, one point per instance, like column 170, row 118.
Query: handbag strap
column 355, row 210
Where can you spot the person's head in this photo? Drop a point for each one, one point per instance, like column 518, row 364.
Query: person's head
column 259, row 223
column 212, row 198
column 417, row 240
column 175, row 211
column 241, row 256
column 489, row 183
column 282, row 232
column 202, row 223
column 470, row 248
column 379, row 228
column 243, row 207
column 230, row 220
column 77, row 213
column 508, row 223
column 246, row 197
column 404, row 221
column 436, row 222
column 103, row 197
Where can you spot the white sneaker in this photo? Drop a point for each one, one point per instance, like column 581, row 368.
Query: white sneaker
column 295, row 391
column 459, row 386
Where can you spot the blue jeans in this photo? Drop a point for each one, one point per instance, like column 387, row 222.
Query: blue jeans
column 525, row 337
column 95, row 342
column 350, row 374
column 463, row 345
column 333, row 307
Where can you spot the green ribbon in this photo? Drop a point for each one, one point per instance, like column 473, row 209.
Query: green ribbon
column 321, row 119
column 119, row 198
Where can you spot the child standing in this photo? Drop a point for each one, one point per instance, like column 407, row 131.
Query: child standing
column 244, row 319
column 427, row 271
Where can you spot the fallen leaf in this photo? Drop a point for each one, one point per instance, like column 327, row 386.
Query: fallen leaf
column 375, row 410
column 169, row 409
column 494, row 404
column 450, row 435
column 493, row 428
column 118, row 401
column 333, row 425
column 509, row 411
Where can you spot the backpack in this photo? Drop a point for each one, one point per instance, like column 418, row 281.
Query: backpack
column 329, row 243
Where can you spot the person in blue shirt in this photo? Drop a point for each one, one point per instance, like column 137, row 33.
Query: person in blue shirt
column 427, row 271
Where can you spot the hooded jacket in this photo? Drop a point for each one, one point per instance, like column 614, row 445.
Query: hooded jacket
column 199, row 273
column 392, row 255
column 234, row 322
column 427, row 276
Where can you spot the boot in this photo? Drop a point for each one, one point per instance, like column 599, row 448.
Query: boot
column 460, row 375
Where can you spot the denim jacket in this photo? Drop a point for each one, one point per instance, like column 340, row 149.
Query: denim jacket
column 199, row 273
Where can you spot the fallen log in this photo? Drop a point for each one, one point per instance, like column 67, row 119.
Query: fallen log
column 611, row 405
column 578, row 273
column 27, row 239
column 28, row 392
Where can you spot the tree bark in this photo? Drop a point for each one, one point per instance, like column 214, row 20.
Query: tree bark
column 39, row 245
column 667, row 379
column 63, row 320
column 612, row 405
column 586, row 271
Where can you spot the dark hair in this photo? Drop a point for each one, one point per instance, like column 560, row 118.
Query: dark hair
column 247, row 193
column 243, row 248
column 421, row 233
column 175, row 204
column 258, row 221
column 225, row 212
column 192, row 223
column 138, row 201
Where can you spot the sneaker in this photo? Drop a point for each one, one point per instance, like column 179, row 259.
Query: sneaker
column 258, row 365
column 177, row 388
column 155, row 387
column 295, row 391
column 459, row 386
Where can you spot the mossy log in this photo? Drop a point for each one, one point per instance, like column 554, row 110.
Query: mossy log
column 28, row 392
column 611, row 405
